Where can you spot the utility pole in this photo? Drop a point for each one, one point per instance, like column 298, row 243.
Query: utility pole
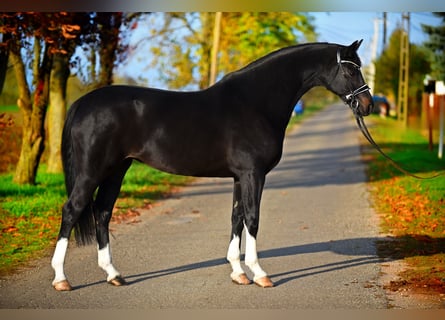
column 374, row 43
column 385, row 18
column 215, row 48
column 402, row 101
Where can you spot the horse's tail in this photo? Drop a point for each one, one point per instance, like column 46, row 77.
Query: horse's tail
column 84, row 228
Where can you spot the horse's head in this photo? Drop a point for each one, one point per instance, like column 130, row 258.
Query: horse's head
column 348, row 81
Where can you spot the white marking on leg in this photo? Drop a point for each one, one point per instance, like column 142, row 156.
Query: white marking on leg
column 252, row 257
column 233, row 256
column 104, row 261
column 59, row 259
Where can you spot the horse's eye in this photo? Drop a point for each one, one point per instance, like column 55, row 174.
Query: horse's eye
column 352, row 70
column 348, row 72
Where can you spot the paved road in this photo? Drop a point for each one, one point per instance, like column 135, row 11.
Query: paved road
column 316, row 240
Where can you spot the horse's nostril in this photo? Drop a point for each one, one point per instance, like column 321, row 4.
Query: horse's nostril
column 369, row 109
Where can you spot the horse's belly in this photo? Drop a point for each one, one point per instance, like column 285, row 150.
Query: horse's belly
column 198, row 163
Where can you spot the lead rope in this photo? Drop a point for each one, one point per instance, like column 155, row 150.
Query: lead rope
column 364, row 130
column 354, row 105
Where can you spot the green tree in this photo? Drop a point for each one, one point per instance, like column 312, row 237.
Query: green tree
column 388, row 68
column 248, row 36
column 185, row 47
column 436, row 44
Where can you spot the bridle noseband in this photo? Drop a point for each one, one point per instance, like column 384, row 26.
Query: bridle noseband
column 351, row 98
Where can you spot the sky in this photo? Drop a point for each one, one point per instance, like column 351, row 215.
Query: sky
column 346, row 27
column 335, row 27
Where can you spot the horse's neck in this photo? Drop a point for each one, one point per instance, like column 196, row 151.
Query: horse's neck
column 285, row 81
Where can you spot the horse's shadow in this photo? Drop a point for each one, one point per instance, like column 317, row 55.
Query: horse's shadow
column 363, row 247
column 364, row 251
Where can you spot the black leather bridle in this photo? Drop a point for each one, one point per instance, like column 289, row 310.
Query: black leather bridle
column 351, row 100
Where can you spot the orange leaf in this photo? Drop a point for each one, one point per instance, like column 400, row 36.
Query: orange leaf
column 10, row 229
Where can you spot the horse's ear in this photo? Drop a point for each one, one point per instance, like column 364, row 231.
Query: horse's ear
column 356, row 44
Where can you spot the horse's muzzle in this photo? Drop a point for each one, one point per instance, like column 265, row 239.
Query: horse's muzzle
column 360, row 101
column 365, row 104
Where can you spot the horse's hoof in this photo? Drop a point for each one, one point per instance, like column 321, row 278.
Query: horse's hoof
column 241, row 279
column 63, row 285
column 117, row 281
column 264, row 282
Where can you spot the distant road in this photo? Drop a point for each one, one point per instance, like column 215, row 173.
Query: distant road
column 316, row 240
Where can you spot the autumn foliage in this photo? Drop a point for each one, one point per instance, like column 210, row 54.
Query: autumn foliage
column 412, row 211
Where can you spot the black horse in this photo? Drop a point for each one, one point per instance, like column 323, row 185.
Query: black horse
column 234, row 128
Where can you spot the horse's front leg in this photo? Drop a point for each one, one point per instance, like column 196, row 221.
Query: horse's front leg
column 249, row 197
column 252, row 185
column 234, row 253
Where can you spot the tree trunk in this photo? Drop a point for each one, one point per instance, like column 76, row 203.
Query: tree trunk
column 215, row 48
column 109, row 40
column 33, row 114
column 57, row 110
column 107, row 57
column 4, row 53
column 207, row 20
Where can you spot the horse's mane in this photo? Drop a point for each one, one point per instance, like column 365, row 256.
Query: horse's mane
column 273, row 55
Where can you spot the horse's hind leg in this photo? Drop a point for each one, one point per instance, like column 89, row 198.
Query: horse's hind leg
column 103, row 206
column 79, row 199
column 60, row 283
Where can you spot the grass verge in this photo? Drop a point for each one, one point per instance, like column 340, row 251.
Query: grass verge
column 412, row 211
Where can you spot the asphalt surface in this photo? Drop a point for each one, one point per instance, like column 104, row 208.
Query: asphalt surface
column 316, row 240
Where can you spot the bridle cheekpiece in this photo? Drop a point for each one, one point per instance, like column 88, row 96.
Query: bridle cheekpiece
column 351, row 98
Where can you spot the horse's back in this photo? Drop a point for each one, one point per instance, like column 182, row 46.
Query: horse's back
column 178, row 132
